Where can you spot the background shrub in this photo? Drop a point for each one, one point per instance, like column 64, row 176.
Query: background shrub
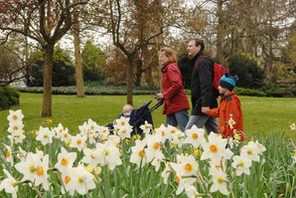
column 8, row 97
column 248, row 69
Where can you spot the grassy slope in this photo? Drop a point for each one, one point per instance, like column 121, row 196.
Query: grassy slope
column 261, row 115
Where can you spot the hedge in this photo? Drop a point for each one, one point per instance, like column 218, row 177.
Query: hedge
column 8, row 97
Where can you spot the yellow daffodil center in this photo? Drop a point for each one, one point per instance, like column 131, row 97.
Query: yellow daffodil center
column 32, row 169
column 79, row 142
column 80, row 180
column 60, row 130
column 241, row 164
column 91, row 156
column 194, row 136
column 220, row 179
column 107, row 152
column 214, row 148
column 156, row 145
column 40, row 171
column 188, row 167
column 64, row 162
column 173, row 131
column 250, row 151
column 67, row 179
column 65, row 135
column 162, row 133
column 92, row 127
column 141, row 153
column 122, row 123
column 7, row 154
column 177, row 178
column 14, row 117
column 45, row 136
column 117, row 145
column 15, row 128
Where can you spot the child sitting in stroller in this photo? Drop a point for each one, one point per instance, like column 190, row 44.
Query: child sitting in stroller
column 126, row 111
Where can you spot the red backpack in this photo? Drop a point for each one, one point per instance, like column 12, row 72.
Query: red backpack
column 219, row 71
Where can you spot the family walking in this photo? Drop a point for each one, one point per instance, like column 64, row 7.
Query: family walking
column 204, row 96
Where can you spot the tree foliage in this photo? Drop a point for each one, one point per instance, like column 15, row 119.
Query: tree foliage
column 93, row 62
column 63, row 69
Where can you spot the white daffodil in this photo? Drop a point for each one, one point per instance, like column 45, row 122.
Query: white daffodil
column 166, row 172
column 15, row 116
column 178, row 138
column 66, row 137
column 92, row 126
column 216, row 166
column 231, row 123
column 59, row 131
column 260, row 147
column 181, row 177
column 153, row 146
column 110, row 155
column 21, row 154
column 67, row 178
column 146, row 127
column 172, row 131
column 191, row 192
column 34, row 169
column 93, row 137
column 103, row 133
column 293, row 126
column 9, row 157
column 195, row 136
column 84, row 129
column 115, row 140
column 219, row 182
column 215, row 148
column 65, row 159
column 15, row 127
column 122, row 122
column 78, row 142
column 125, row 131
column 81, row 180
column 17, row 137
column 8, row 184
column 44, row 135
column 138, row 155
column 156, row 162
column 91, row 157
column 41, row 173
column 163, row 132
column 241, row 165
column 250, row 151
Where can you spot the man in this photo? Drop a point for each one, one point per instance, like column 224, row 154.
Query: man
column 203, row 93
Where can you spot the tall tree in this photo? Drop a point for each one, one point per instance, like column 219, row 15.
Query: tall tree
column 44, row 21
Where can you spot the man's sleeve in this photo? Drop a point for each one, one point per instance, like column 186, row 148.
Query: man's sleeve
column 206, row 77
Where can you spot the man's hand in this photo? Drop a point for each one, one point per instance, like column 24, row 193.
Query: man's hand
column 205, row 110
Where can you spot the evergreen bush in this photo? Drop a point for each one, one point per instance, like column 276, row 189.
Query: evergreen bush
column 8, row 97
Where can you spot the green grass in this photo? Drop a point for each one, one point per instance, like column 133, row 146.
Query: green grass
column 262, row 115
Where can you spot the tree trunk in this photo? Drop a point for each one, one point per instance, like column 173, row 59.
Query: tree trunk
column 47, row 79
column 219, row 32
column 129, row 80
column 78, row 65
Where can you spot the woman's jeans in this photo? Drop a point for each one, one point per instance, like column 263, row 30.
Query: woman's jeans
column 178, row 118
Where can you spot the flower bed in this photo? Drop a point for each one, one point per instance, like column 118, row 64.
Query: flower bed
column 161, row 163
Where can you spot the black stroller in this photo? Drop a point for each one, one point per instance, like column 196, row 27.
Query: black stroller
column 139, row 116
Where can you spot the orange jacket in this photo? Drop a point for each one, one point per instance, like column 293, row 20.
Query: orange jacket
column 229, row 107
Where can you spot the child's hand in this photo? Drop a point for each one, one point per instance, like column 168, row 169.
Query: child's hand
column 205, row 110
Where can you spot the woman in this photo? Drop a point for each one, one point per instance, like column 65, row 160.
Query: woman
column 176, row 103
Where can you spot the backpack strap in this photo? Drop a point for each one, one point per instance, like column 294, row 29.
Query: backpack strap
column 200, row 58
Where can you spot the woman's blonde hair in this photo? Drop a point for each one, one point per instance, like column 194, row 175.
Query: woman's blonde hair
column 168, row 52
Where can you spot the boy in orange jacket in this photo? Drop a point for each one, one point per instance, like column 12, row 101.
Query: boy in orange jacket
column 229, row 110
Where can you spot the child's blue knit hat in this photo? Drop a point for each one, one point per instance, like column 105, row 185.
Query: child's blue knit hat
column 228, row 81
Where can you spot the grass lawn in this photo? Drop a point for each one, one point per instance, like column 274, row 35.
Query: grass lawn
column 261, row 115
